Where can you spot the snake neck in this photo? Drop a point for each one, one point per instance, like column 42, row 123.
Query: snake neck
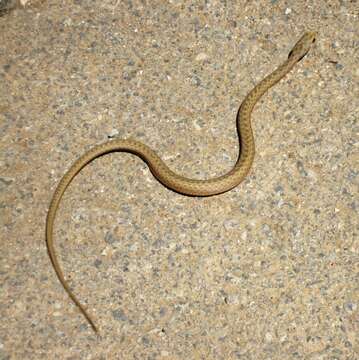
column 244, row 114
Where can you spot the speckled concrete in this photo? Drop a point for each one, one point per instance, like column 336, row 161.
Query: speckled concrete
column 268, row 270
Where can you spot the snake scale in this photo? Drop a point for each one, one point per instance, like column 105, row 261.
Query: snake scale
column 165, row 175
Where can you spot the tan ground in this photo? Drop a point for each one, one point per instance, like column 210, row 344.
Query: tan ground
column 266, row 271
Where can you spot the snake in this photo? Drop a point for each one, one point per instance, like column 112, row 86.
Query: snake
column 170, row 179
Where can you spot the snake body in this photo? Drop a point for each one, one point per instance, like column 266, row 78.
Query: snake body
column 164, row 174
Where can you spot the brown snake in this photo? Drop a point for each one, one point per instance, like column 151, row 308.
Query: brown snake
column 165, row 175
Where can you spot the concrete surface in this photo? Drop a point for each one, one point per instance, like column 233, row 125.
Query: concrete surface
column 268, row 270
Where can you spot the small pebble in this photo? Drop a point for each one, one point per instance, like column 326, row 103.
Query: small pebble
column 201, row 57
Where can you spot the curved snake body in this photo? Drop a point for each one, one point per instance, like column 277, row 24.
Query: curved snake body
column 165, row 175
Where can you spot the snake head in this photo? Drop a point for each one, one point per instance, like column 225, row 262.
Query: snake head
column 302, row 47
